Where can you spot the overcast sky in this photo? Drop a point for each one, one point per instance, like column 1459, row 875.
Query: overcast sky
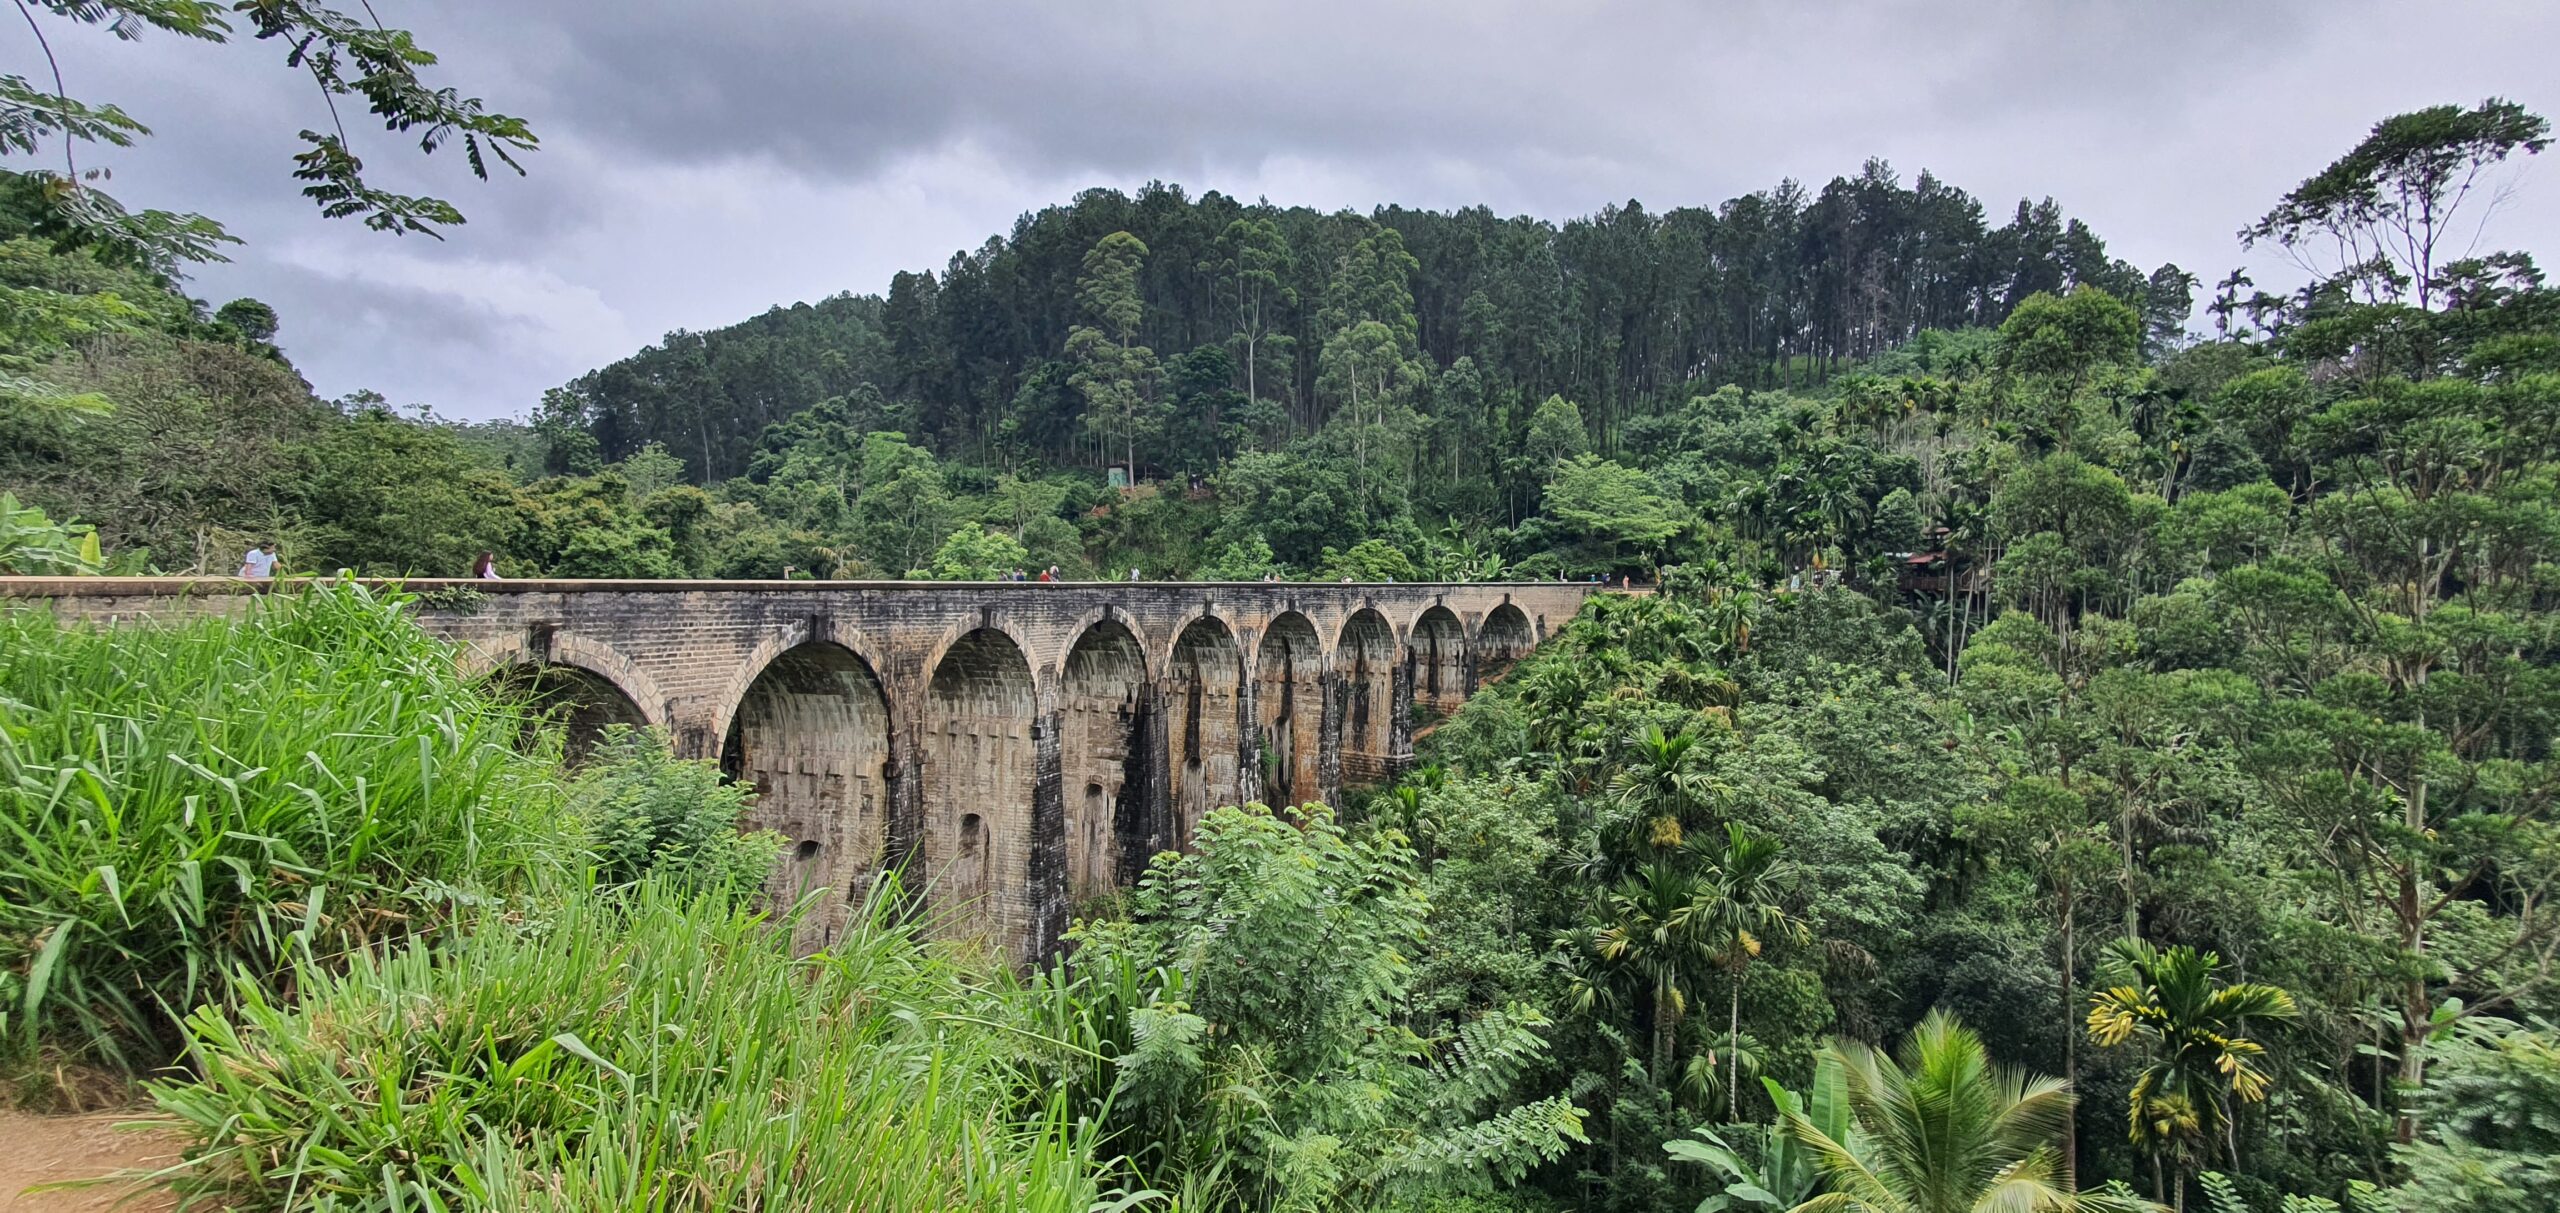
column 703, row 162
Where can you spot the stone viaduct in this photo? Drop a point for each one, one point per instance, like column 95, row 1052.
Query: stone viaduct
column 1016, row 746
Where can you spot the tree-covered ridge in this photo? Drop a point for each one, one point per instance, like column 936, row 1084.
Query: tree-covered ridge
column 1256, row 312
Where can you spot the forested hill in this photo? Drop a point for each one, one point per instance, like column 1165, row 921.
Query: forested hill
column 1249, row 326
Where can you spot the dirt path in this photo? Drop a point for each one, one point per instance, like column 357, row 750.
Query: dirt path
column 43, row 1149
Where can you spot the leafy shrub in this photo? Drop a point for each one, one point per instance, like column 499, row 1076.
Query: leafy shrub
column 647, row 813
column 974, row 553
column 1257, row 1011
column 32, row 545
column 182, row 803
column 656, row 1051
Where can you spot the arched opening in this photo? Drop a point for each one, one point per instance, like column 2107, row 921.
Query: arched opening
column 812, row 736
column 1365, row 658
column 1439, row 654
column 1289, row 689
column 1203, row 689
column 1101, row 706
column 981, row 770
column 1502, row 642
column 580, row 703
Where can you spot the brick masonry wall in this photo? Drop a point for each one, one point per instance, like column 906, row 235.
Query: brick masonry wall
column 880, row 718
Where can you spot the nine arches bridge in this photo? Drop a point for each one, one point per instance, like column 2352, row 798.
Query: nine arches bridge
column 1022, row 744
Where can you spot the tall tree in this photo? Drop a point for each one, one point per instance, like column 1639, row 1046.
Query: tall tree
column 1115, row 373
column 1254, row 263
column 2379, row 217
column 1748, row 888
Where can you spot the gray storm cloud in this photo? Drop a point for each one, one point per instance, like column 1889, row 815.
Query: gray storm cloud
column 701, row 163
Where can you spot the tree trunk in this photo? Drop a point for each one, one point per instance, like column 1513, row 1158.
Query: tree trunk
column 1733, row 1054
column 2230, row 1130
column 2124, row 846
column 2070, row 1047
column 2417, row 1015
column 1662, row 1029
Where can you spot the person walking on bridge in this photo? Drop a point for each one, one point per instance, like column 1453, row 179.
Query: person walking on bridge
column 260, row 563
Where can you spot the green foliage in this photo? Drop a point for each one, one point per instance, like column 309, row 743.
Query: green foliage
column 973, row 553
column 2493, row 1136
column 346, row 57
column 1939, row 1127
column 1782, row 1174
column 2194, row 1027
column 515, row 1067
column 648, row 815
column 1367, row 560
column 32, row 545
column 1264, row 983
column 193, row 802
column 2392, row 197
column 1609, row 513
column 1245, row 560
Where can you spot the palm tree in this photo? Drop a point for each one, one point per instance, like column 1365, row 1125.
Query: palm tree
column 1939, row 1129
column 1744, row 903
column 1658, row 786
column 2197, row 1029
column 1656, row 932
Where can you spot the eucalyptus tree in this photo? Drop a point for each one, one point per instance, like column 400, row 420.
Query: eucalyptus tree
column 1115, row 373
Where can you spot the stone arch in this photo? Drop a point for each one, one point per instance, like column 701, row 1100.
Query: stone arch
column 811, row 732
column 981, row 776
column 724, row 705
column 627, row 676
column 1204, row 705
column 580, row 701
column 1102, row 709
column 1364, row 662
column 1438, row 651
column 1288, row 680
column 1501, row 641
column 1000, row 623
column 1075, row 633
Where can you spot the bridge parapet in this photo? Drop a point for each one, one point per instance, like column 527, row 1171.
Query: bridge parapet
column 1002, row 740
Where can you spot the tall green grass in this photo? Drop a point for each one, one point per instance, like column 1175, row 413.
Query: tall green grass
column 180, row 804
column 648, row 1051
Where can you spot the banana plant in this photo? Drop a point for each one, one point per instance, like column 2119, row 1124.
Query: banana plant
column 1782, row 1174
column 33, row 545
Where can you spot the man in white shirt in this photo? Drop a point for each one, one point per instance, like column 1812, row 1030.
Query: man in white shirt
column 261, row 561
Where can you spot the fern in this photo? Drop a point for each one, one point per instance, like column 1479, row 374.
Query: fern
column 1496, row 1150
column 1484, row 1059
column 2225, row 1196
